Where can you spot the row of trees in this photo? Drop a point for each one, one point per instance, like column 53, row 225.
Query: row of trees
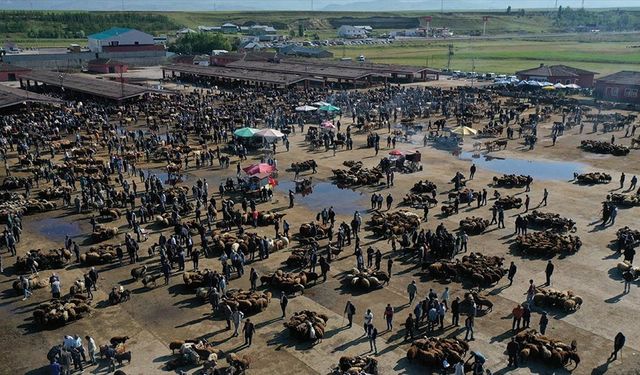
column 200, row 43
column 65, row 24
column 612, row 20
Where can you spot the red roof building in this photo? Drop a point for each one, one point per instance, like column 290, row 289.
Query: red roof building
column 622, row 87
column 106, row 66
column 558, row 74
column 9, row 72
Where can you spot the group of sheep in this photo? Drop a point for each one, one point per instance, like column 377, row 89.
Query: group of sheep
column 552, row 352
column 508, row 202
column 425, row 186
column 307, row 325
column 624, row 200
column 289, row 282
column 35, row 282
column 58, row 312
column 298, row 258
column 474, row 225
column 357, row 176
column 548, row 220
column 246, row 301
column 357, row 365
column 419, row 200
column 568, row 301
column 432, row 351
column 101, row 254
column 625, row 266
column 366, row 279
column 601, row 147
column 547, row 243
column 46, row 259
column 103, row 233
column 398, row 222
column 480, row 269
column 227, row 242
column 23, row 206
column 304, row 165
column 313, row 230
column 592, row 178
column 511, row 181
column 191, row 352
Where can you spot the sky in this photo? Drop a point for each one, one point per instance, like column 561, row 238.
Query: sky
column 324, row 5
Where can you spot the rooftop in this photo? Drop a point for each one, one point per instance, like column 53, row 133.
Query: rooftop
column 103, row 61
column 87, row 85
column 238, row 74
column 305, row 69
column 625, row 77
column 555, row 71
column 10, row 96
column 114, row 31
column 6, row 67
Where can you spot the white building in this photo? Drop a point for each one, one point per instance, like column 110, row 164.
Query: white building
column 119, row 36
column 351, row 32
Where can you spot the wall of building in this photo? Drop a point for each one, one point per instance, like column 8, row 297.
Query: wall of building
column 617, row 93
column 129, row 38
column 4, row 76
column 79, row 60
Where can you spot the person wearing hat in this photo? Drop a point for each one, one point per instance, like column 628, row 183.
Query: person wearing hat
column 544, row 321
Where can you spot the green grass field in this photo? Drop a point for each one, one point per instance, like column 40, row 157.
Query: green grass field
column 505, row 55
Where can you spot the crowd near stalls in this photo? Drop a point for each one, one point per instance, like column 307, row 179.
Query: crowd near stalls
column 134, row 171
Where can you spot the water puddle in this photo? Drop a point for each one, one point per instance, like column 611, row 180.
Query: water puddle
column 55, row 229
column 325, row 194
column 538, row 169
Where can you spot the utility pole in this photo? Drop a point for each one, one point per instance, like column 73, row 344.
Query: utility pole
column 214, row 5
column 312, row 5
column 582, row 4
column 123, row 5
column 449, row 57
column 556, row 4
column 441, row 6
column 473, row 69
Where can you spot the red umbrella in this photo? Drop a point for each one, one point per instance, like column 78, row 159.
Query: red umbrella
column 396, row 153
column 258, row 168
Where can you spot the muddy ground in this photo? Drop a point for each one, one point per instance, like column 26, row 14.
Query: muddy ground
column 155, row 317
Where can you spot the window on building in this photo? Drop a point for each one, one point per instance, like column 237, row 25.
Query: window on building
column 612, row 92
column 631, row 93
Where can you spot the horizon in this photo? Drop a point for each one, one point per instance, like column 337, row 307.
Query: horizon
column 309, row 5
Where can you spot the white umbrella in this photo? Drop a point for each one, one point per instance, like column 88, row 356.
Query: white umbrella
column 269, row 135
column 305, row 108
column 559, row 86
column 572, row 86
column 321, row 104
column 464, row 130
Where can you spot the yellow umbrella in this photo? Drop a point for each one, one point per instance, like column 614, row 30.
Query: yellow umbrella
column 464, row 130
column 549, row 88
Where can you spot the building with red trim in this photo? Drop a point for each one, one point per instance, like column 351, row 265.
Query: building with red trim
column 10, row 72
column 558, row 74
column 106, row 66
column 622, row 87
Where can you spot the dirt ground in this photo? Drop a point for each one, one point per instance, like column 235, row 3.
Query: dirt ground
column 155, row 317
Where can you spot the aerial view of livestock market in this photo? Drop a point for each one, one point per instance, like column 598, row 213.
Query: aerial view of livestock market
column 348, row 191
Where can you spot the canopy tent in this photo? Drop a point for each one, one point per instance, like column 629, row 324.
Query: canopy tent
column 549, row 88
column 463, row 130
column 306, row 108
column 559, row 86
column 572, row 86
column 396, row 153
column 260, row 169
column 329, row 108
column 321, row 104
column 269, row 135
column 328, row 125
column 245, row 132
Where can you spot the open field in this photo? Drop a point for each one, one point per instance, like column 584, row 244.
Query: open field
column 503, row 55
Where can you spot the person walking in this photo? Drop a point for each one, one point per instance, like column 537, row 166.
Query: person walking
column 545, row 196
column 618, row 344
column 622, row 179
column 412, row 289
column 373, row 335
column 531, row 292
column 249, row 329
column 512, row 272
column 91, row 348
column 350, row 310
column 544, row 321
column 284, row 301
column 388, row 315
column 548, row 271
column 468, row 325
column 408, row 326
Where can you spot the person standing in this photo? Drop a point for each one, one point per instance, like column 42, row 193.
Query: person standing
column 526, row 316
column 412, row 289
column 468, row 325
column 455, row 312
column 389, row 266
column 55, row 288
column 622, row 179
column 472, row 171
column 512, row 272
column 284, row 301
column 501, row 218
column 91, row 348
column 544, row 197
column 253, row 278
column 373, row 335
column 531, row 292
column 548, row 271
column 512, row 351
column 544, row 321
column 236, row 317
column 527, row 201
column 368, row 322
column 350, row 310
column 227, row 312
column 249, row 329
column 517, row 313
column 618, row 344
column 445, row 297
column 388, row 315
